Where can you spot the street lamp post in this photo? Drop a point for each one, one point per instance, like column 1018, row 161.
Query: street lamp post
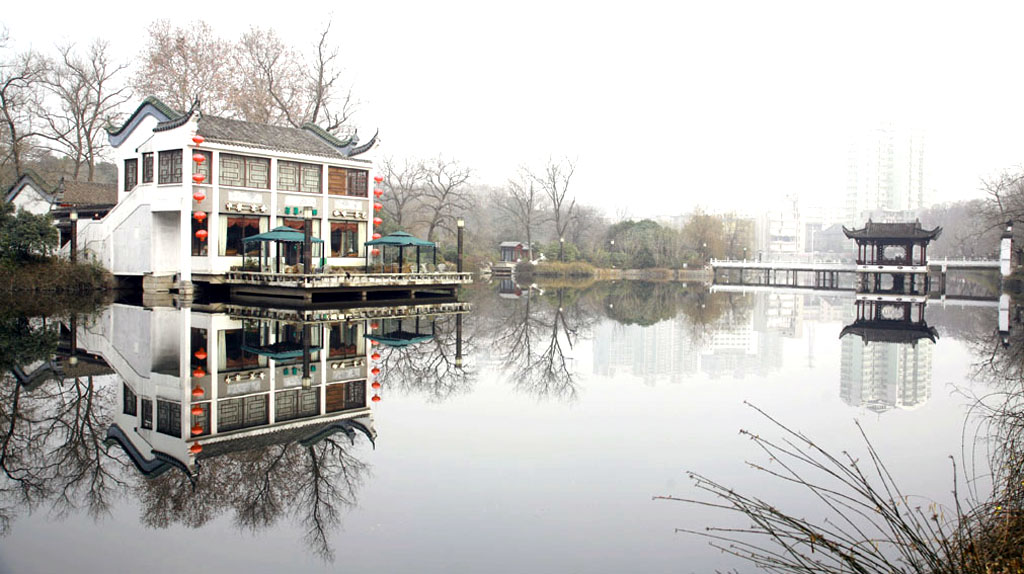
column 461, row 225
column 561, row 249
column 307, row 240
column 73, row 216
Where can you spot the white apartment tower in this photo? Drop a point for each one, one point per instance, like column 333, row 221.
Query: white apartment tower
column 886, row 173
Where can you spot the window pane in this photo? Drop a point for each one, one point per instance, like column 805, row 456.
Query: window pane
column 310, row 178
column 131, row 173
column 232, row 169
column 357, row 183
column 337, row 181
column 203, row 168
column 345, row 237
column 257, row 172
column 147, row 168
column 287, row 176
column 236, row 229
column 170, row 166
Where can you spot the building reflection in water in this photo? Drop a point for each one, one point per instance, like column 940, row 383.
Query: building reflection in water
column 887, row 356
column 251, row 411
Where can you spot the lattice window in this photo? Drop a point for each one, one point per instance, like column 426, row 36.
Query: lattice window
column 357, row 183
column 131, row 401
column 257, row 172
column 288, row 176
column 147, row 414
column 233, row 414
column 168, row 418
column 232, row 170
column 147, row 167
column 310, row 178
column 205, row 167
column 298, row 403
column 170, row 166
column 131, row 173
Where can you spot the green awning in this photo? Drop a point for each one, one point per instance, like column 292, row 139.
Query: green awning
column 283, row 234
column 401, row 239
column 279, row 351
column 400, row 339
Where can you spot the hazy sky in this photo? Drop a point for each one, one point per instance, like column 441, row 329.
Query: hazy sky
column 730, row 105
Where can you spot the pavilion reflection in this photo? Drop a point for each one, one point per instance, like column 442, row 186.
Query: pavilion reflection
column 887, row 355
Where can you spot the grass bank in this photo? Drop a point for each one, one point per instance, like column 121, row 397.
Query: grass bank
column 54, row 276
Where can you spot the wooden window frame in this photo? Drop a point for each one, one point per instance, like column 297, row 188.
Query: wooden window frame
column 147, row 167
column 131, row 173
column 169, row 166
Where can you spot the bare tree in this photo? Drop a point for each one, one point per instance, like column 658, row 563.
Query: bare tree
column 20, row 78
column 445, row 194
column 327, row 100
column 87, row 97
column 554, row 182
column 520, row 201
column 270, row 82
column 402, row 186
column 181, row 65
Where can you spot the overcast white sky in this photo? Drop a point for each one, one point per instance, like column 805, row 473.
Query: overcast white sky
column 730, row 105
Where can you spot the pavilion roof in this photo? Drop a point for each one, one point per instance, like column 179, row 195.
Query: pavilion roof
column 281, row 234
column 907, row 230
column 401, row 239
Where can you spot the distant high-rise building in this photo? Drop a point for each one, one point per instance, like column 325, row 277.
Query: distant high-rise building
column 885, row 173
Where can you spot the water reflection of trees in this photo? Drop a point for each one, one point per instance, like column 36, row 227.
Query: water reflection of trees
column 533, row 340
column 312, row 484
column 535, row 332
column 52, row 450
column 436, row 368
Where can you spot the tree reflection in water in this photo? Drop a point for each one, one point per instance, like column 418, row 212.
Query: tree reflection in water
column 53, row 420
column 436, row 368
column 312, row 484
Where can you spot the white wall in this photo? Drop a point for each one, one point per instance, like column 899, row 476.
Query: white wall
column 31, row 200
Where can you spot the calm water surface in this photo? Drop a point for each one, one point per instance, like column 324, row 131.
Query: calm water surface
column 528, row 434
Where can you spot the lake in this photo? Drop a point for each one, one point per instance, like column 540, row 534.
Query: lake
column 522, row 429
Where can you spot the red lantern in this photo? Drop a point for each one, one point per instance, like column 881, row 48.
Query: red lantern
column 375, row 385
column 199, row 215
column 197, row 429
column 376, row 235
column 375, row 370
column 202, row 234
column 197, row 392
column 199, row 195
column 375, row 356
column 198, row 139
column 199, row 373
column 374, row 343
column 198, row 177
column 378, row 178
column 378, row 192
column 201, row 355
column 196, row 448
column 378, row 206
column 198, row 157
column 374, row 325
column 377, row 221
column 197, row 411
column 375, row 399
column 375, row 252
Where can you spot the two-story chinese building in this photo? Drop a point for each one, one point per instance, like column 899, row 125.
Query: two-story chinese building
column 192, row 187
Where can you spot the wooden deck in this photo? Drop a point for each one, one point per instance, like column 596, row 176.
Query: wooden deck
column 329, row 287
